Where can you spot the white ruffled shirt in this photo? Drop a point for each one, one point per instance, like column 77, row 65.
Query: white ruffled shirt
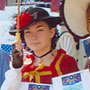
column 12, row 79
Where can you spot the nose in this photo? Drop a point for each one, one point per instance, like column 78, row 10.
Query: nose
column 34, row 36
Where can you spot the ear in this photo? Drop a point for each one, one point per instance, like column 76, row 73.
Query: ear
column 53, row 30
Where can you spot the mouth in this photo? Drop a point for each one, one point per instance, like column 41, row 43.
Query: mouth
column 35, row 43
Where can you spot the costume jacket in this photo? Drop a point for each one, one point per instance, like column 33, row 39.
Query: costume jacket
column 62, row 64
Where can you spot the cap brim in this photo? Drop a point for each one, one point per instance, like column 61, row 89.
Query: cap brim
column 74, row 16
column 54, row 21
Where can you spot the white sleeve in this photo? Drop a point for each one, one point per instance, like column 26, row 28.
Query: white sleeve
column 66, row 42
column 12, row 79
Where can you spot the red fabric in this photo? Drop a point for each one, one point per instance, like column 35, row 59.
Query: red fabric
column 67, row 65
column 55, row 5
column 47, row 0
column 2, row 4
column 25, row 19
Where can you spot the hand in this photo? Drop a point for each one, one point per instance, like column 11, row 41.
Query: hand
column 17, row 56
column 87, row 64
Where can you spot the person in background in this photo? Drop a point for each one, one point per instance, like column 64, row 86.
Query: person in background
column 66, row 42
column 76, row 25
column 38, row 32
column 4, row 65
column 88, row 28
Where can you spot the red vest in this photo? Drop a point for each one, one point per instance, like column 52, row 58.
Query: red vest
column 62, row 64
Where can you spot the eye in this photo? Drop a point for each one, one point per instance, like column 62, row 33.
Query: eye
column 40, row 30
column 26, row 32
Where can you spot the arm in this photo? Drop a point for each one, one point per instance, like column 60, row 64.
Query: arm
column 73, row 66
column 4, row 65
column 68, row 65
column 13, row 76
column 87, row 64
column 13, row 79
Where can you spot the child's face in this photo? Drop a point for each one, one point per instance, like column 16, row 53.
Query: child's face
column 38, row 36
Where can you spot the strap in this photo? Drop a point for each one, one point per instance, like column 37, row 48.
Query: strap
column 63, row 33
column 57, row 65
